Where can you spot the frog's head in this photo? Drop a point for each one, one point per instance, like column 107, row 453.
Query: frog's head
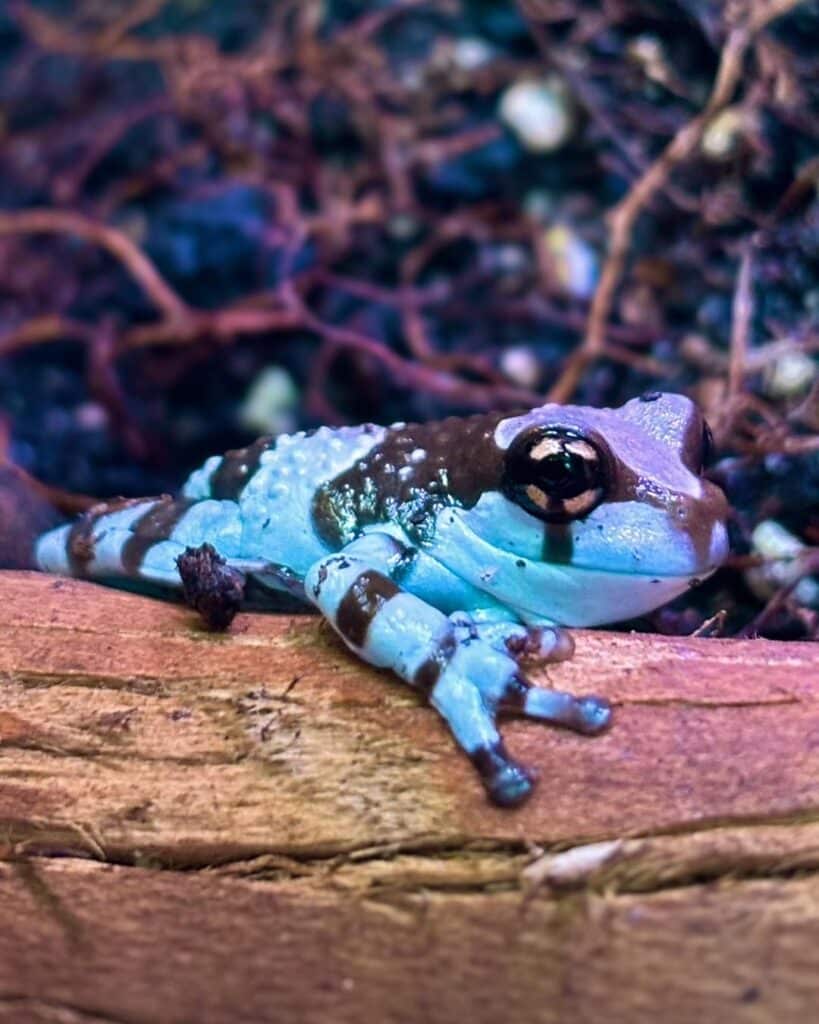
column 601, row 514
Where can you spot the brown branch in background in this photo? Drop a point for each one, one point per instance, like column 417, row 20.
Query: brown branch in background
column 66, row 502
column 624, row 216
column 742, row 314
column 425, row 378
column 41, row 330
column 67, row 187
column 50, row 221
column 132, row 17
column 223, row 325
column 808, row 561
column 56, row 36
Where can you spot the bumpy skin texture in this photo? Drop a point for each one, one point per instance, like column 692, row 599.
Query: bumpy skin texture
column 446, row 551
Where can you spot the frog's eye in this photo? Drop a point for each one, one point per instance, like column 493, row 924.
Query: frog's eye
column 554, row 473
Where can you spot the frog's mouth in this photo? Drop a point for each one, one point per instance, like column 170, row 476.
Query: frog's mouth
column 562, row 591
column 575, row 596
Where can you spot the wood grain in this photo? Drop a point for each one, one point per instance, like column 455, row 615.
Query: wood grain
column 257, row 827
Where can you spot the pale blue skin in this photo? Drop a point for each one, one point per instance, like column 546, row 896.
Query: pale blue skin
column 460, row 592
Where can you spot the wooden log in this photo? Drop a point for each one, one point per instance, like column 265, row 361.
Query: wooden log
column 257, row 827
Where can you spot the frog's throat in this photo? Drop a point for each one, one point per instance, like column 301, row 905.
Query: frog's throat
column 560, row 592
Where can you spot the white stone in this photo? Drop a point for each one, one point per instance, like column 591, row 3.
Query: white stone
column 520, row 365
column 724, row 133
column 539, row 112
column 773, row 542
column 574, row 263
column 471, row 52
column 270, row 402
column 789, row 375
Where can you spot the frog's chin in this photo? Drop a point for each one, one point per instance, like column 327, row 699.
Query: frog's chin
column 594, row 597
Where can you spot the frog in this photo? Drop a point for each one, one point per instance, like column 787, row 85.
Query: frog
column 450, row 552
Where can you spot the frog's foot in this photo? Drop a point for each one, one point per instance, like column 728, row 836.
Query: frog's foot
column 588, row 715
column 468, row 679
column 543, row 642
column 549, row 643
column 472, row 722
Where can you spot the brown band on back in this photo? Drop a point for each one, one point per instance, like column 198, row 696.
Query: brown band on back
column 82, row 537
column 156, row 525
column 236, row 468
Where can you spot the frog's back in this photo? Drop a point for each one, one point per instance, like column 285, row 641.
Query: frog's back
column 275, row 482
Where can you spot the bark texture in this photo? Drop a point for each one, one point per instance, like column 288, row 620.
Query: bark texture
column 257, row 827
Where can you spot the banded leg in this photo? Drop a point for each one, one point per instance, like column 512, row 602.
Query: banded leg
column 465, row 678
column 139, row 539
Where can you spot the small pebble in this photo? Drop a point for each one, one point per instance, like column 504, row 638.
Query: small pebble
column 771, row 540
column 647, row 51
column 270, row 403
column 539, row 112
column 723, row 137
column 471, row 52
column 573, row 261
column 521, row 366
column 790, row 375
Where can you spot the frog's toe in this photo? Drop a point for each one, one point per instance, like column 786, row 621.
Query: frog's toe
column 549, row 642
column 592, row 715
column 508, row 784
column 587, row 715
column 512, row 788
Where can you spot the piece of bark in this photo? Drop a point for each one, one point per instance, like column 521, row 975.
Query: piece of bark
column 296, row 836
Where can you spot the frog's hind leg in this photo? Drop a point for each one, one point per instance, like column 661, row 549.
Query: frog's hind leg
column 140, row 539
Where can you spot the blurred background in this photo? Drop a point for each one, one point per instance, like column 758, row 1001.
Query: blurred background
column 222, row 220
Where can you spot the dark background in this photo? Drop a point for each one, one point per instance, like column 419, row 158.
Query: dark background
column 337, row 192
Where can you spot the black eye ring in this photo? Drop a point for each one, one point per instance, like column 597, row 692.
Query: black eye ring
column 555, row 473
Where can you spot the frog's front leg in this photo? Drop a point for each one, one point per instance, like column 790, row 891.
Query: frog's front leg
column 466, row 678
